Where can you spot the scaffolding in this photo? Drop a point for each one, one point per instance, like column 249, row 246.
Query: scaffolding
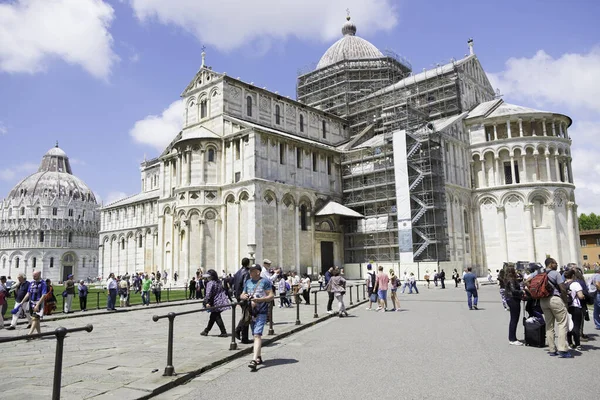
column 333, row 88
column 378, row 98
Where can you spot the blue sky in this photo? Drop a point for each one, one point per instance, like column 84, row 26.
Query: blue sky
column 103, row 76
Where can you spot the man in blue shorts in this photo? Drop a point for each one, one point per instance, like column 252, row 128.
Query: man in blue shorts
column 258, row 291
column 471, row 286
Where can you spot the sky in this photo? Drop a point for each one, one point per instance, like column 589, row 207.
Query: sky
column 103, row 77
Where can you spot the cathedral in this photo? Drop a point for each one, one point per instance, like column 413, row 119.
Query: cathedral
column 372, row 163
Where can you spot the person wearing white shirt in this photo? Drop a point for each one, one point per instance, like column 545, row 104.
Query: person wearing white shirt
column 576, row 293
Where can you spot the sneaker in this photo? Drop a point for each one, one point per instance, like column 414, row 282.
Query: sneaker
column 393, row 309
column 578, row 348
column 475, row 307
column 378, row 308
column 368, row 308
column 565, row 354
column 553, row 353
column 331, row 312
column 516, row 343
column 10, row 328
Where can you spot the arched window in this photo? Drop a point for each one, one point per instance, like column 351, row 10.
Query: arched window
column 249, row 106
column 140, row 242
column 538, row 212
column 34, row 262
column 122, row 244
column 303, row 217
column 301, row 123
column 37, row 211
column 70, row 237
column 277, row 115
column 51, row 262
column 42, row 237
column 22, row 210
column 17, row 262
column 466, row 221
column 324, row 125
column 211, row 155
column 203, row 108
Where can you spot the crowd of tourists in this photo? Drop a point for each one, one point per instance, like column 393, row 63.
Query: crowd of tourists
column 556, row 302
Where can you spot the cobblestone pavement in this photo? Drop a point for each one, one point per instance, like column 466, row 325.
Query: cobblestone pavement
column 125, row 355
column 434, row 349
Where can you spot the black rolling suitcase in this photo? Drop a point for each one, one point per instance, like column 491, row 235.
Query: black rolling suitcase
column 535, row 331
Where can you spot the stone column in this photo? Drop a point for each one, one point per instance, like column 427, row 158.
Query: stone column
column 495, row 132
column 512, row 169
column 297, row 237
column 225, row 261
column 571, row 233
column 529, row 232
column 312, row 236
column 237, row 231
column 508, row 133
column 279, row 234
column 201, row 262
column 561, row 132
column 553, row 128
column 544, row 126
column 548, row 175
column 553, row 231
column 268, row 150
column 497, row 175
column 524, row 180
column 188, row 154
column 557, row 168
column 537, row 167
column 502, row 233
column 569, row 170
column 520, row 127
column 483, row 175
column 202, row 165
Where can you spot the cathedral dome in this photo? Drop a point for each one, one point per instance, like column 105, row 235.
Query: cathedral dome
column 54, row 178
column 349, row 47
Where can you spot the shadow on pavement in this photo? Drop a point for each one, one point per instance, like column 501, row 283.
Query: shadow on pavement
column 277, row 361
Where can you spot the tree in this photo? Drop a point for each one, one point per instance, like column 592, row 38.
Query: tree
column 589, row 222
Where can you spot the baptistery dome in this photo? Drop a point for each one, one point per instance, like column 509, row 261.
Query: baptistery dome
column 349, row 47
column 49, row 222
column 54, row 178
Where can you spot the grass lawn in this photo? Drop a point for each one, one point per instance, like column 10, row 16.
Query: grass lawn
column 97, row 298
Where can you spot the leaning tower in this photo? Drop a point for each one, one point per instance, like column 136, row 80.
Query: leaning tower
column 523, row 190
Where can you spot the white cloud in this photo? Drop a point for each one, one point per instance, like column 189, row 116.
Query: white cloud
column 159, row 130
column 233, row 23
column 569, row 84
column 111, row 197
column 572, row 80
column 3, row 129
column 18, row 172
column 32, row 32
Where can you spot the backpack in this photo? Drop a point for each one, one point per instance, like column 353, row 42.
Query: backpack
column 287, row 286
column 540, row 286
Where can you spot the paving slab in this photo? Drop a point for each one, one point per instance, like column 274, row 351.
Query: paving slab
column 125, row 355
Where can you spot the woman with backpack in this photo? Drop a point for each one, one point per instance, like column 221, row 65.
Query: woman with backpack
column 215, row 296
column 574, row 307
column 514, row 294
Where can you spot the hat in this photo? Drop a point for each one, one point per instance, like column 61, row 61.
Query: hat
column 267, row 261
column 369, row 266
column 69, row 276
column 256, row 267
column 206, row 276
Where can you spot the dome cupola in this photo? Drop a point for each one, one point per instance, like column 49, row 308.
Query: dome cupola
column 349, row 47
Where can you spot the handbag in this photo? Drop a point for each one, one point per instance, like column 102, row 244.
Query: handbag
column 586, row 314
column 64, row 293
column 247, row 309
column 373, row 298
